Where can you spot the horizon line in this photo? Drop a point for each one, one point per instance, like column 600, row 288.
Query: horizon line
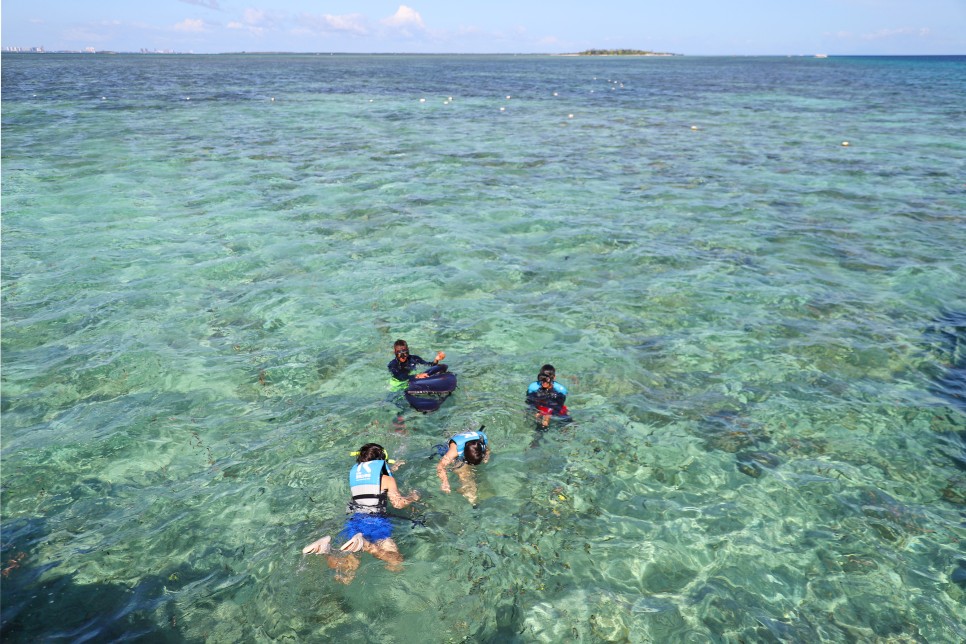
column 156, row 52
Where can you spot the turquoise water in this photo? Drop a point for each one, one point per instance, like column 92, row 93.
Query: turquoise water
column 206, row 260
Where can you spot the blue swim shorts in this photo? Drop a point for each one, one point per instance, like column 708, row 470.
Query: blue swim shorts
column 373, row 527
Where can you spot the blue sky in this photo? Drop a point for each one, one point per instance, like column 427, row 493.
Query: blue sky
column 694, row 27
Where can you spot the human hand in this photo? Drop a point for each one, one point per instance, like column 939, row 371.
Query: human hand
column 444, row 486
column 395, row 466
column 439, row 356
column 420, row 376
column 413, row 496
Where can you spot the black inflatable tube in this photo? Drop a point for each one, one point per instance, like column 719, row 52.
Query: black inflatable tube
column 432, row 402
column 440, row 383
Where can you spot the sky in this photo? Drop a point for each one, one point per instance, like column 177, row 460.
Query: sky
column 691, row 27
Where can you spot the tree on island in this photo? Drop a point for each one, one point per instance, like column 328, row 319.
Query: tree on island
column 621, row 52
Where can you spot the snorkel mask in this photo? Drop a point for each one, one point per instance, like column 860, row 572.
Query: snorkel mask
column 385, row 456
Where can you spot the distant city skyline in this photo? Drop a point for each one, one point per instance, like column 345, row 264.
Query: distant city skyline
column 695, row 27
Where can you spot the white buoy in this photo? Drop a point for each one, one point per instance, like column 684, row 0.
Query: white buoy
column 273, row 99
column 507, row 97
column 502, row 109
column 845, row 144
column 570, row 116
column 422, row 100
column 694, row 127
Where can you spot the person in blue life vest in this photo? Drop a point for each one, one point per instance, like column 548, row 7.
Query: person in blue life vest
column 463, row 449
column 403, row 365
column 547, row 396
column 368, row 527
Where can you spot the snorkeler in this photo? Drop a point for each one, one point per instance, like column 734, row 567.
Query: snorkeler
column 465, row 448
column 368, row 528
column 401, row 376
column 547, row 396
column 404, row 364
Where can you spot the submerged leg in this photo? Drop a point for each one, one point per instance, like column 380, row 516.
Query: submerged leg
column 467, row 483
column 387, row 551
column 345, row 567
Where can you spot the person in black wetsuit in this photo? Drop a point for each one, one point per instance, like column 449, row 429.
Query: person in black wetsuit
column 404, row 363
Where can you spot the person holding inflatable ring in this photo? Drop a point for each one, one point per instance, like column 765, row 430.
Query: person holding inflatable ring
column 403, row 365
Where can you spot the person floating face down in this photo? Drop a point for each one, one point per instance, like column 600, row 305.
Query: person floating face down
column 547, row 396
column 368, row 527
column 403, row 365
column 465, row 448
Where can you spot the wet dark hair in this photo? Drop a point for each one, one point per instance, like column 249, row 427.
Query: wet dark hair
column 547, row 370
column 371, row 452
column 474, row 451
column 399, row 344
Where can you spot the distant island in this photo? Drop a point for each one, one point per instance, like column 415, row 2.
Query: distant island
column 621, row 52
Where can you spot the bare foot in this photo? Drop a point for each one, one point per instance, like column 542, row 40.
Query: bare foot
column 319, row 547
column 355, row 544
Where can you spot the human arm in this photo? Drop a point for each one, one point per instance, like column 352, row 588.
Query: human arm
column 435, row 367
column 559, row 396
column 447, row 458
column 532, row 392
column 388, row 484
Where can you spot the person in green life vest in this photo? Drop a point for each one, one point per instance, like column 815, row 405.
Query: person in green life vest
column 403, row 365
column 401, row 370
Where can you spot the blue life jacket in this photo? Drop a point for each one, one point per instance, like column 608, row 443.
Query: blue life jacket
column 555, row 397
column 557, row 387
column 365, row 485
column 463, row 438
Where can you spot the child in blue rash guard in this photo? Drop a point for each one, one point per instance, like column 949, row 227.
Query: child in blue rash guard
column 470, row 448
column 371, row 484
column 547, row 396
column 404, row 364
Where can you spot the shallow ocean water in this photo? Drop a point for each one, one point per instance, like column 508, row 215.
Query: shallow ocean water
column 206, row 259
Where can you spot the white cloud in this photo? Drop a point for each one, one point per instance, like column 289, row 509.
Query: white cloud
column 83, row 34
column 404, row 18
column 211, row 4
column 352, row 23
column 190, row 25
column 255, row 17
column 255, row 21
column 922, row 32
